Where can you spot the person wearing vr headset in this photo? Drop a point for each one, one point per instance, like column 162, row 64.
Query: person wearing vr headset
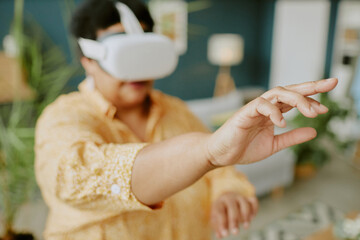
column 119, row 160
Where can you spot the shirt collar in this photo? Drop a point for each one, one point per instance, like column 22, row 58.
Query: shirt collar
column 106, row 107
column 96, row 98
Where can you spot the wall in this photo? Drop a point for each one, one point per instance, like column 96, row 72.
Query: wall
column 300, row 40
column 194, row 77
column 252, row 20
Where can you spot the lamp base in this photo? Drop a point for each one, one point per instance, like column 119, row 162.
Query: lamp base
column 224, row 82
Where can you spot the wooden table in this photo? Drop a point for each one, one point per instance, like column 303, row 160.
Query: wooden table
column 325, row 234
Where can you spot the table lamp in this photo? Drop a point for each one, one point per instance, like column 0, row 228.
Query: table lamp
column 225, row 50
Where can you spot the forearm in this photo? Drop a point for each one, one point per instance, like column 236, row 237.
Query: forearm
column 162, row 169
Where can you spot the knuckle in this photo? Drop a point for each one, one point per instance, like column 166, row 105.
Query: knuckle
column 213, row 219
column 221, row 221
column 240, row 198
column 214, row 212
column 222, row 199
column 314, row 85
column 299, row 98
column 254, row 200
column 260, row 100
column 279, row 88
column 234, row 218
column 257, row 100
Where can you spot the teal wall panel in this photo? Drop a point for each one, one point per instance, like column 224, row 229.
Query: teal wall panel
column 244, row 17
column 6, row 15
column 331, row 36
column 195, row 76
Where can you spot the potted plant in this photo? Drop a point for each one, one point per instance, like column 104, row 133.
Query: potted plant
column 46, row 71
column 348, row 229
column 314, row 154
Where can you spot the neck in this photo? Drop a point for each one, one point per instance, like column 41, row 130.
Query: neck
column 135, row 118
column 124, row 113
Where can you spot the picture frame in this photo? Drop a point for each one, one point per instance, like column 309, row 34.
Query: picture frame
column 171, row 20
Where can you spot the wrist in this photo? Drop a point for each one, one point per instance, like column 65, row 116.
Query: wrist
column 209, row 159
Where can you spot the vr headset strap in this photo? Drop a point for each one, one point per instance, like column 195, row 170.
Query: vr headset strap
column 95, row 50
column 92, row 49
column 129, row 20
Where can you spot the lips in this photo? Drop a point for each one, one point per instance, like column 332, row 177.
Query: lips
column 137, row 84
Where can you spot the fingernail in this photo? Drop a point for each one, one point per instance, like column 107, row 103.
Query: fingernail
column 323, row 108
column 283, row 122
column 234, row 231
column 224, row 233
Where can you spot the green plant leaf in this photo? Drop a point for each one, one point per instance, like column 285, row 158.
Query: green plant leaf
column 47, row 73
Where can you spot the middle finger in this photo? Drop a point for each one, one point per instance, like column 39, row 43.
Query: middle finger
column 280, row 95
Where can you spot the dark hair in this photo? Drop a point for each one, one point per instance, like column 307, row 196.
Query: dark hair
column 92, row 15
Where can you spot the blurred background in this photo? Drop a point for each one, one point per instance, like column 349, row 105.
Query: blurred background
column 230, row 52
column 195, row 76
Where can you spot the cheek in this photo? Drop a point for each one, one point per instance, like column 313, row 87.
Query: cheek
column 117, row 92
column 108, row 87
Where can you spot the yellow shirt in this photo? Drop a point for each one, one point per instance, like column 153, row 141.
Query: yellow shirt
column 84, row 159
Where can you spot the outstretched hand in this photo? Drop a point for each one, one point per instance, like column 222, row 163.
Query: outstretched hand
column 249, row 135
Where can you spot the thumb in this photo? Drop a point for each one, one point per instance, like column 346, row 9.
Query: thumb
column 293, row 137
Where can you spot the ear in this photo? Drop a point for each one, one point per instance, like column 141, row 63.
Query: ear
column 89, row 65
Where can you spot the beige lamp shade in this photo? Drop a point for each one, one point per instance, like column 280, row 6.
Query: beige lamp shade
column 225, row 49
column 12, row 81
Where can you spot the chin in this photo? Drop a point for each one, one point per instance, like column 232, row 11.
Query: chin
column 133, row 101
column 132, row 94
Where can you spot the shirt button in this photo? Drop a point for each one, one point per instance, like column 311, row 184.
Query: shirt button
column 115, row 189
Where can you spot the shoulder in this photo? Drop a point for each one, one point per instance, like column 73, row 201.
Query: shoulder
column 68, row 102
column 176, row 112
column 167, row 101
column 67, row 106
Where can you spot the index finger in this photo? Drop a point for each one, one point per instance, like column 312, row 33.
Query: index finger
column 314, row 87
column 254, row 205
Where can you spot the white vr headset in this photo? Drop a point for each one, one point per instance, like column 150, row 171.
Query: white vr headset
column 134, row 55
